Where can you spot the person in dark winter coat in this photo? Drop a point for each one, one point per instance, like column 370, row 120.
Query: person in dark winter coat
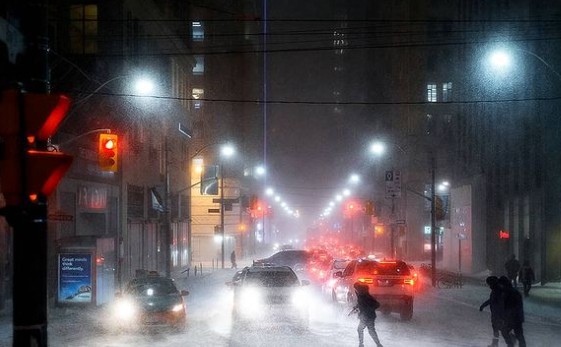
column 512, row 266
column 233, row 260
column 513, row 313
column 527, row 277
column 496, row 305
column 366, row 306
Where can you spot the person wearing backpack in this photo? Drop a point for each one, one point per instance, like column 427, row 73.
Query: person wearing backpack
column 366, row 307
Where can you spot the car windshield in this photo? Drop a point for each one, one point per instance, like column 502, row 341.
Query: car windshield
column 159, row 288
column 271, row 278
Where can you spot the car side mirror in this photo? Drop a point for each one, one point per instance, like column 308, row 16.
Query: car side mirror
column 305, row 282
column 338, row 274
column 184, row 292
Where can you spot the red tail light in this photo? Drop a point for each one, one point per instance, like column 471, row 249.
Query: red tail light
column 409, row 281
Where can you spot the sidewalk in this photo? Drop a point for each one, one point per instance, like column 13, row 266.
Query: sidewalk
column 544, row 302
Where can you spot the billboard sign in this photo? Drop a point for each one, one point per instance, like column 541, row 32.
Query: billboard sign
column 75, row 277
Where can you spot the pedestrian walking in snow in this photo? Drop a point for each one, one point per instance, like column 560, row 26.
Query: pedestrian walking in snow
column 496, row 305
column 526, row 277
column 233, row 260
column 513, row 313
column 366, row 307
column 512, row 267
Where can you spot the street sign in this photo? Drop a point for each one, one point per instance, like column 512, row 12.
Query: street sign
column 393, row 184
column 60, row 217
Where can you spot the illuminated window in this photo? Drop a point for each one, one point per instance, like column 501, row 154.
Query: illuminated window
column 431, row 93
column 198, row 31
column 339, row 41
column 446, row 91
column 83, row 29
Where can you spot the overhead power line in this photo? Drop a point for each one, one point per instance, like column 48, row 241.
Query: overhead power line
column 328, row 103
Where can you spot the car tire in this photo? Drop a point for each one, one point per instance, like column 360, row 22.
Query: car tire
column 406, row 313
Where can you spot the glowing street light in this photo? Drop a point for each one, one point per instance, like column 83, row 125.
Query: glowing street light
column 354, row 178
column 377, row 148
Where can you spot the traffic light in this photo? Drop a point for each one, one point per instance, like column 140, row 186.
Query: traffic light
column 440, row 212
column 108, row 152
column 27, row 169
column 369, row 208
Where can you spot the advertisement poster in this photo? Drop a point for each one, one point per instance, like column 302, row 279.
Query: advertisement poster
column 75, row 281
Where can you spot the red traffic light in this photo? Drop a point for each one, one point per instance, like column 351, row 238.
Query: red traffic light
column 108, row 152
column 504, row 234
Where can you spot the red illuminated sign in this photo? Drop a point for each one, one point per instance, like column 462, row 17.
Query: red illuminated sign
column 504, row 234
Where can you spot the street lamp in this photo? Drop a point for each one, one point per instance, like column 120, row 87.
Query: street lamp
column 227, row 151
column 378, row 148
column 501, row 59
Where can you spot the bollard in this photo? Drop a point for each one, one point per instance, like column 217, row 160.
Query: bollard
column 201, row 270
column 195, row 270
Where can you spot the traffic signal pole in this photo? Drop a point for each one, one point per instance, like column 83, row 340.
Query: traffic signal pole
column 29, row 173
column 30, row 228
column 433, row 221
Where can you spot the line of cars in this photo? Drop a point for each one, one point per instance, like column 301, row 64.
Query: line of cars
column 392, row 282
column 271, row 290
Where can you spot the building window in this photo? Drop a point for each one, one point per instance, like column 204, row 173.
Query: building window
column 431, row 92
column 199, row 68
column 83, row 29
column 339, row 42
column 446, row 91
column 198, row 31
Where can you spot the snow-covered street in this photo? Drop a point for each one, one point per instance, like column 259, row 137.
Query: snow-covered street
column 442, row 317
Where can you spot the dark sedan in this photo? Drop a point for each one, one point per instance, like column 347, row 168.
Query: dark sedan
column 150, row 300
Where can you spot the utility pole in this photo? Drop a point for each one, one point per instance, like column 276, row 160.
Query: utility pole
column 222, row 212
column 167, row 208
column 433, row 220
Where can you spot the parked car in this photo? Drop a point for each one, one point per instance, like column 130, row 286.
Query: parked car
column 389, row 281
column 150, row 300
column 270, row 294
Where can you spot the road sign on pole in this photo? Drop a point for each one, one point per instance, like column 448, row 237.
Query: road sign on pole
column 393, row 184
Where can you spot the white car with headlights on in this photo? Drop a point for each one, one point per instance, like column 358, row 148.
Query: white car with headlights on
column 150, row 300
column 270, row 294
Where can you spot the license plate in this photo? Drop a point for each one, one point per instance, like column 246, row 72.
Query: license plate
column 385, row 283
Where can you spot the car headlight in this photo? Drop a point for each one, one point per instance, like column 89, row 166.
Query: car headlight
column 125, row 310
column 177, row 308
column 250, row 301
column 300, row 297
